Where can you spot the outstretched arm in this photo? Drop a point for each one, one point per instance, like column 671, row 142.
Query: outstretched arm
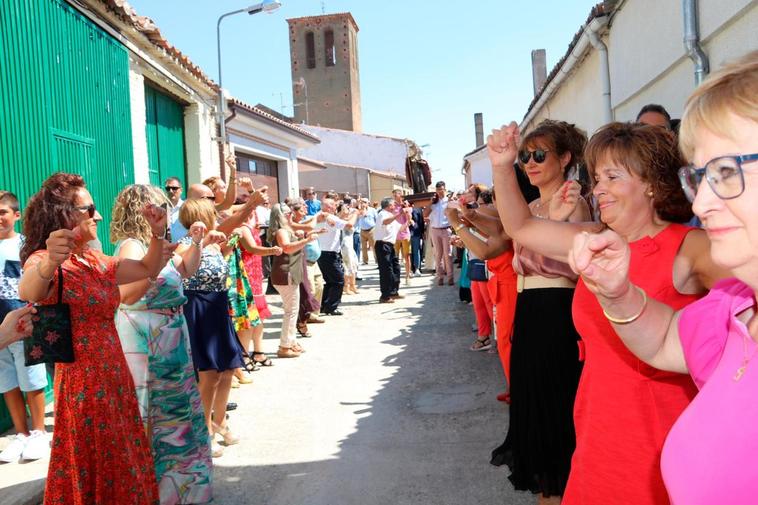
column 647, row 327
column 550, row 238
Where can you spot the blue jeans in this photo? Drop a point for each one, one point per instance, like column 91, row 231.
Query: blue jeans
column 357, row 244
column 415, row 253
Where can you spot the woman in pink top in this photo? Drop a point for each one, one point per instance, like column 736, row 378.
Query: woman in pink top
column 709, row 454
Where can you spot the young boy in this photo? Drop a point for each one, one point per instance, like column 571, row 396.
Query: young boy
column 14, row 376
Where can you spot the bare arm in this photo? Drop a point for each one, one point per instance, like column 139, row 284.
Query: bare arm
column 282, row 238
column 237, row 219
column 694, row 269
column 550, row 238
column 647, row 327
column 248, row 242
column 231, row 187
column 132, row 292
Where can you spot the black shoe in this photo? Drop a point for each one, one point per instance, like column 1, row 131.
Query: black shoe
column 359, row 278
column 334, row 313
column 231, row 406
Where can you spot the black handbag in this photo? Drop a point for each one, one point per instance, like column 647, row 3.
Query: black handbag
column 477, row 270
column 51, row 340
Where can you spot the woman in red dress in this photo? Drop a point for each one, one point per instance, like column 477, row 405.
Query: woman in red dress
column 623, row 407
column 100, row 453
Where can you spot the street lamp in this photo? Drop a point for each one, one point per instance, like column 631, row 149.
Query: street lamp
column 267, row 6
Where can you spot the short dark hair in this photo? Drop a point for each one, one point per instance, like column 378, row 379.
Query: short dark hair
column 386, row 202
column 175, row 179
column 654, row 107
column 9, row 199
column 440, row 184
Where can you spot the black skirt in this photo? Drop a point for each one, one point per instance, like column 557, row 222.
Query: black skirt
column 545, row 370
column 214, row 342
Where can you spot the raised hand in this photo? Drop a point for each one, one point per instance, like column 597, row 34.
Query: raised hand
column 564, row 201
column 247, row 183
column 156, row 217
column 59, row 245
column 197, row 231
column 502, row 146
column 214, row 237
column 258, row 196
column 602, row 259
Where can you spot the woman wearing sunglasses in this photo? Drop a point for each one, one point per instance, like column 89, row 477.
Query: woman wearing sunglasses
column 709, row 454
column 100, row 453
column 623, row 407
column 544, row 362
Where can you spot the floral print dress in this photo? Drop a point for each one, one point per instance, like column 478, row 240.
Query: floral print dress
column 155, row 340
column 100, row 453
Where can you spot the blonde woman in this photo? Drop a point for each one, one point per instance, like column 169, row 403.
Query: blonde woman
column 153, row 333
column 216, row 352
column 286, row 275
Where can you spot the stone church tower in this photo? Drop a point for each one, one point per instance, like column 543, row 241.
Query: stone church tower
column 324, row 58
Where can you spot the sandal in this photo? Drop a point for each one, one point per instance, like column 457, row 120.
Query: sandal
column 297, row 348
column 302, row 330
column 266, row 360
column 481, row 345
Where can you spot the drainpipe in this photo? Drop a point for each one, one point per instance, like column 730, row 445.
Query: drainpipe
column 692, row 40
column 222, row 163
column 605, row 74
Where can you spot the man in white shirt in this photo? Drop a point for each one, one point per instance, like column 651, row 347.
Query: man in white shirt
column 173, row 188
column 330, row 261
column 439, row 233
column 385, row 234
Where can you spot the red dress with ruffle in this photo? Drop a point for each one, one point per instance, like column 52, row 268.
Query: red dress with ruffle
column 253, row 265
column 624, row 408
column 100, row 453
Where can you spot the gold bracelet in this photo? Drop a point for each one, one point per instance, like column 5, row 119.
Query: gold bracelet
column 633, row 318
column 460, row 227
column 39, row 272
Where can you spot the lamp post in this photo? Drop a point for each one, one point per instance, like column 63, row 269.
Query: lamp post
column 267, row 6
column 300, row 83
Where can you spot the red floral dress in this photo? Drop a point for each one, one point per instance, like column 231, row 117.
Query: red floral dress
column 253, row 265
column 100, row 453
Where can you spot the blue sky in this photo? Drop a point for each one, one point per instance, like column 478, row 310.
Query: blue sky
column 426, row 66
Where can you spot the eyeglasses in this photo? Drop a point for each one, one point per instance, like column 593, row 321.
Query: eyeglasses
column 724, row 175
column 173, row 188
column 89, row 209
column 539, row 155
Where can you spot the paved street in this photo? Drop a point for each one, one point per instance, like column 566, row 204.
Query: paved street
column 386, row 406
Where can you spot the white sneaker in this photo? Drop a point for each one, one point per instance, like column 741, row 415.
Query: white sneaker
column 13, row 452
column 37, row 446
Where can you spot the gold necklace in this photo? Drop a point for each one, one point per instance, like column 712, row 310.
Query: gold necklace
column 745, row 360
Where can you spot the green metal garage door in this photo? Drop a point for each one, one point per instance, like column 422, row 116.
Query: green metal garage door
column 64, row 102
column 164, row 130
column 64, row 105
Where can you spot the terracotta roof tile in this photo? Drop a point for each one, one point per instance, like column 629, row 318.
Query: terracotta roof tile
column 270, row 117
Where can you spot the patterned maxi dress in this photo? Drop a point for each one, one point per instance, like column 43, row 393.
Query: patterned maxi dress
column 254, row 266
column 100, row 453
column 155, row 340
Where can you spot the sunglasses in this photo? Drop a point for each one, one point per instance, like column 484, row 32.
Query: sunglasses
column 539, row 155
column 89, row 209
column 213, row 198
column 173, row 188
column 724, row 175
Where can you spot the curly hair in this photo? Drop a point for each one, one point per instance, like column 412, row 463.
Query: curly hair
column 562, row 137
column 49, row 209
column 127, row 220
column 650, row 153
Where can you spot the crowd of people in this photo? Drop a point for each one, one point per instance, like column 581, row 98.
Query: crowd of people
column 625, row 325
column 164, row 328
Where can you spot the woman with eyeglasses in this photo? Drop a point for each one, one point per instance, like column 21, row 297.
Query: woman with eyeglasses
column 544, row 362
column 100, row 453
column 623, row 407
column 709, row 454
column 153, row 332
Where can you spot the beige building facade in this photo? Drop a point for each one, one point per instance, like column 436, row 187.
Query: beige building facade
column 646, row 59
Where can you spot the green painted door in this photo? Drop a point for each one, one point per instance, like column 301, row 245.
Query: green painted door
column 64, row 105
column 164, row 129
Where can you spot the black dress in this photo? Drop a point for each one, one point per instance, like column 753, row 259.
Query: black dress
column 545, row 370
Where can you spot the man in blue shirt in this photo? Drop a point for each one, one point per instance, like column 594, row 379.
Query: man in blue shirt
column 311, row 202
column 366, row 223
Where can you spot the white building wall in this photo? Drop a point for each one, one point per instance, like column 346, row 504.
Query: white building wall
column 357, row 149
column 200, row 149
column 647, row 59
column 137, row 110
column 480, row 169
column 340, row 179
column 579, row 99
